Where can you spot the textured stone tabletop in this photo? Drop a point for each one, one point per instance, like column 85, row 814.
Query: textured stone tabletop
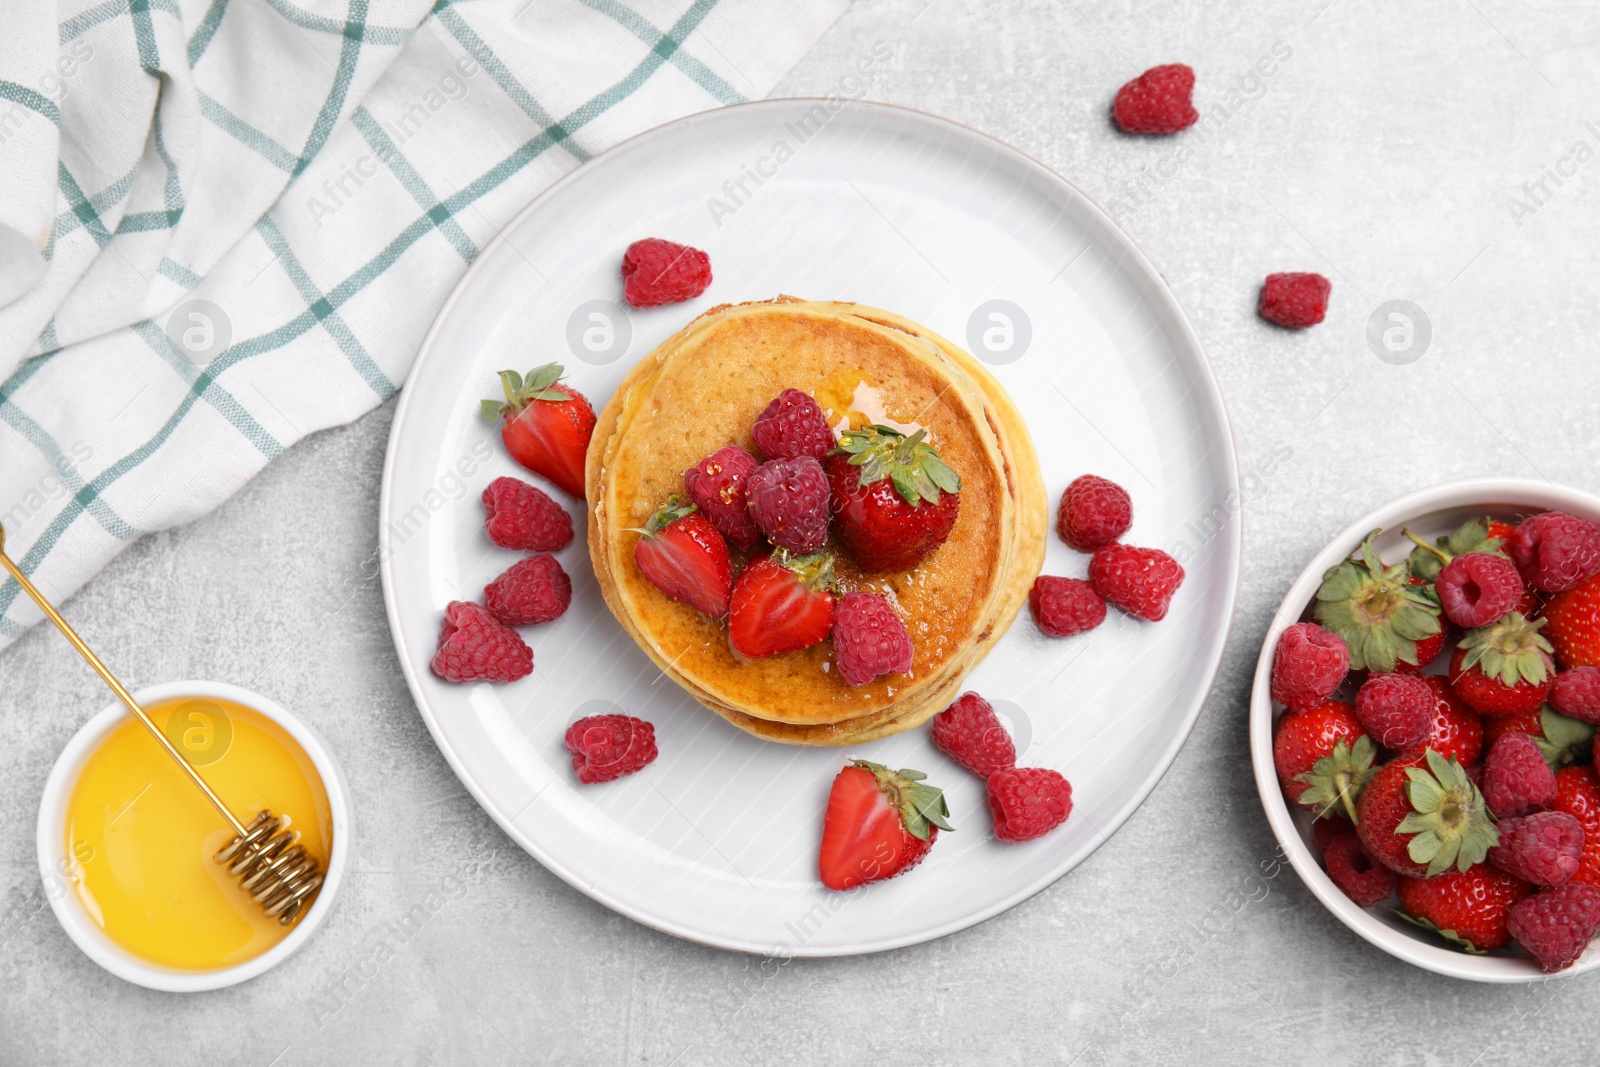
column 1440, row 153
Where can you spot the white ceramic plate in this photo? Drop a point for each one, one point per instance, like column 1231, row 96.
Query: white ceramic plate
column 717, row 841
column 1429, row 512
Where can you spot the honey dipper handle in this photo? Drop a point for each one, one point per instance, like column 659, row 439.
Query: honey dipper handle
column 111, row 680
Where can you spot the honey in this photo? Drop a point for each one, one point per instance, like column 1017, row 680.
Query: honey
column 141, row 838
column 851, row 401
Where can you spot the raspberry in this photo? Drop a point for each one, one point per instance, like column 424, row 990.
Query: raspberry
column 1094, row 512
column 1295, row 299
column 1157, row 101
column 656, row 272
column 1352, row 870
column 1028, row 802
column 868, row 638
column 1308, row 665
column 1065, row 606
column 1577, row 693
column 970, row 733
column 793, row 425
column 1516, row 777
column 718, row 485
column 1557, row 924
column 475, row 646
column 606, row 747
column 1555, row 551
column 1140, row 581
column 1477, row 588
column 532, row 591
column 1546, row 848
column 1396, row 709
column 789, row 501
column 521, row 516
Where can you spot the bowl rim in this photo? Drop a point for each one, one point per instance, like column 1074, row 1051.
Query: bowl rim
column 1489, row 494
column 51, row 842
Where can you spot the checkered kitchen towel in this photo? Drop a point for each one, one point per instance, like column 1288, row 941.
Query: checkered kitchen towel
column 225, row 224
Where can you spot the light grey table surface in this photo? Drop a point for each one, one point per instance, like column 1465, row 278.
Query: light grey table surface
column 1387, row 152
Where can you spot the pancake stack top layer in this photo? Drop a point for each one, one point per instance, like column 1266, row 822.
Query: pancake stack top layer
column 702, row 389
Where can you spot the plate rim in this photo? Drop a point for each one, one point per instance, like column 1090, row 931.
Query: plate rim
column 1402, row 945
column 1167, row 300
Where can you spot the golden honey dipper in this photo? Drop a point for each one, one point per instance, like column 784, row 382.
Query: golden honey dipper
column 267, row 857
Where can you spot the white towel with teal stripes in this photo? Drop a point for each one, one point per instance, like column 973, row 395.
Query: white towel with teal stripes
column 226, row 224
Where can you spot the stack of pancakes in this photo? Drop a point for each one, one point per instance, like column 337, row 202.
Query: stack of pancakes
column 703, row 388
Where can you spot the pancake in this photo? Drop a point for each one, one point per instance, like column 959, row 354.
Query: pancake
column 702, row 389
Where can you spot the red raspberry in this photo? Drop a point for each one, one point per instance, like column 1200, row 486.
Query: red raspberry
column 1295, row 299
column 1028, row 802
column 1352, row 870
column 532, row 591
column 656, row 272
column 1140, row 581
column 1516, row 778
column 970, row 733
column 1555, row 551
column 1326, row 830
column 1396, row 709
column 1065, row 606
column 475, row 646
column 521, row 516
column 868, row 638
column 1456, row 733
column 1577, row 693
column 717, row 485
column 1093, row 512
column 789, row 501
column 1546, row 848
column 606, row 747
column 1308, row 665
column 793, row 425
column 1477, row 588
column 1557, row 924
column 1157, row 101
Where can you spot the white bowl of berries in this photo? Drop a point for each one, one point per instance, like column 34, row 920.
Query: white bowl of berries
column 1421, row 727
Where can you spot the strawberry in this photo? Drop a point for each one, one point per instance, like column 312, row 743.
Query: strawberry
column 546, row 426
column 1302, row 739
column 1503, row 669
column 1376, row 610
column 879, row 823
column 1578, row 794
column 1467, row 908
column 1419, row 817
column 1456, row 732
column 781, row 603
column 894, row 499
column 1572, row 623
column 1428, row 650
column 684, row 556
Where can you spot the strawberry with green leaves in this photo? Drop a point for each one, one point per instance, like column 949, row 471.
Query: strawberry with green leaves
column 1504, row 668
column 781, row 603
column 1420, row 816
column 684, row 556
column 1376, row 610
column 894, row 499
column 1319, row 736
column 1469, row 908
column 545, row 425
column 879, row 824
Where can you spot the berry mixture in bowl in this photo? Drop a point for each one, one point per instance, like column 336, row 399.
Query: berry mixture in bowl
column 1422, row 728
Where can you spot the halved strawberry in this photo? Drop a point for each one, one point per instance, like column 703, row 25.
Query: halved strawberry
column 546, row 426
column 684, row 556
column 781, row 603
column 894, row 499
column 879, row 823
